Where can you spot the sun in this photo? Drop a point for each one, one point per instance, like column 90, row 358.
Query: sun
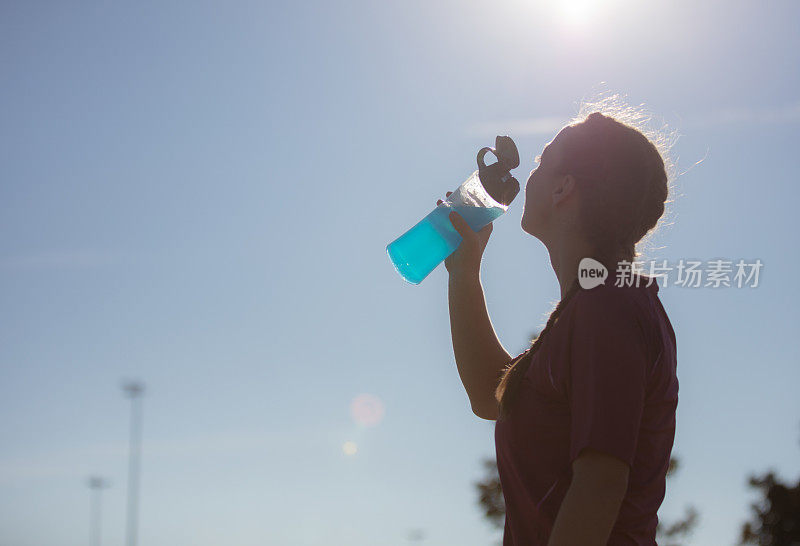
column 577, row 12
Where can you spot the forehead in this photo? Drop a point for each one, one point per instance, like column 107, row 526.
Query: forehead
column 552, row 149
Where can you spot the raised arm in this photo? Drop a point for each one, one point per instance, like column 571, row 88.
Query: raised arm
column 479, row 355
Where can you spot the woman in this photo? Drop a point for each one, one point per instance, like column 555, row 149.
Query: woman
column 585, row 418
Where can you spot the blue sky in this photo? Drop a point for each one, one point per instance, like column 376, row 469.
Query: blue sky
column 200, row 195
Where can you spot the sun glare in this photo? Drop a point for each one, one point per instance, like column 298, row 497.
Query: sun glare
column 577, row 12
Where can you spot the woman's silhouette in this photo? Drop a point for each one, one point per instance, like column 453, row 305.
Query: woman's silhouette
column 585, row 418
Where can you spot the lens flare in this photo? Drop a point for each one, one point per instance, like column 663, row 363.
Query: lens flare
column 367, row 409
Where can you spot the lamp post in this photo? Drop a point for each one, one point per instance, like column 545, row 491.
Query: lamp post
column 96, row 485
column 134, row 390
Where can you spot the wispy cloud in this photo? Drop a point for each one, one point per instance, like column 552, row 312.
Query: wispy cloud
column 61, row 259
column 519, row 127
column 80, row 461
column 76, row 461
column 549, row 125
column 757, row 116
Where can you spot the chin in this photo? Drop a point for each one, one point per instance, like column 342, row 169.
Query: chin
column 531, row 228
column 526, row 226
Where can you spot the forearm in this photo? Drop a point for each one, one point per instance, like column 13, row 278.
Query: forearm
column 479, row 355
column 587, row 515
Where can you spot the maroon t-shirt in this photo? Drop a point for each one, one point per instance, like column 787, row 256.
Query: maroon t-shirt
column 604, row 378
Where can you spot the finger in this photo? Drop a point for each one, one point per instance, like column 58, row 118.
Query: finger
column 461, row 225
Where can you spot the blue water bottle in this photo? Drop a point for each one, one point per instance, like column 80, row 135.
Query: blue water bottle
column 483, row 197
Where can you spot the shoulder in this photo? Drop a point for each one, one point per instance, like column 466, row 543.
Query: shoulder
column 617, row 315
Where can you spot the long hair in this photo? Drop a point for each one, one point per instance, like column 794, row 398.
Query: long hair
column 506, row 392
column 625, row 181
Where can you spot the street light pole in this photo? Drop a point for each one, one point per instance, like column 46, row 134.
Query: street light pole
column 96, row 485
column 134, row 390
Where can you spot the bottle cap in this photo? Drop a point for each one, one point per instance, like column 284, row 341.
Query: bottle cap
column 496, row 178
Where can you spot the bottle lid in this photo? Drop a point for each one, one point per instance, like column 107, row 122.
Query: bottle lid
column 496, row 178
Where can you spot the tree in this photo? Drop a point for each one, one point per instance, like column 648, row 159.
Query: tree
column 776, row 521
column 681, row 527
column 490, row 494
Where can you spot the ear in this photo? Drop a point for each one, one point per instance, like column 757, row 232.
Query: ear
column 563, row 189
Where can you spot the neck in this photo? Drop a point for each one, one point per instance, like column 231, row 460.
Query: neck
column 565, row 256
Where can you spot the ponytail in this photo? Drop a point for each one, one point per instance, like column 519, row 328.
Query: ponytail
column 508, row 388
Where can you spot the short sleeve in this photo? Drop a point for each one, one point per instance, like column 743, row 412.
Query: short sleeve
column 607, row 374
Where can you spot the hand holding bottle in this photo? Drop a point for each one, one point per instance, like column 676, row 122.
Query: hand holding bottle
column 462, row 222
column 466, row 259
